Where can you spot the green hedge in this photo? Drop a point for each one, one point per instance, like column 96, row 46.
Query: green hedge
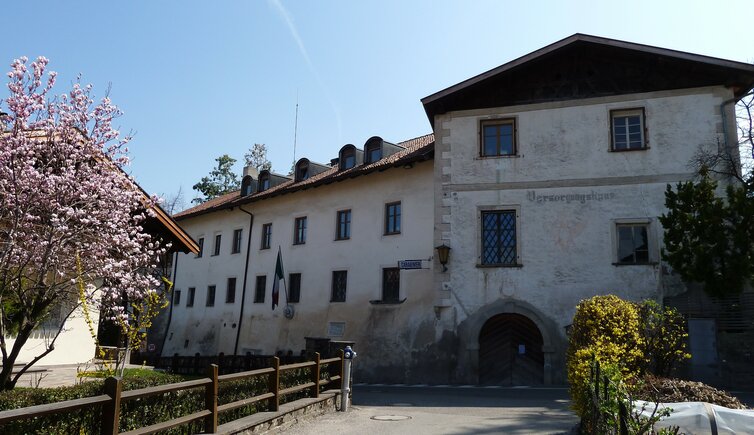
column 139, row 413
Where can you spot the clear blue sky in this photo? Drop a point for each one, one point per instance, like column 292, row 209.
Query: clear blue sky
column 198, row 79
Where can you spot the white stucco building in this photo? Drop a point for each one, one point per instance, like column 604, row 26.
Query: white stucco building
column 545, row 176
column 341, row 230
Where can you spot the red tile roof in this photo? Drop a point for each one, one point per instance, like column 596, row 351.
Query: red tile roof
column 416, row 149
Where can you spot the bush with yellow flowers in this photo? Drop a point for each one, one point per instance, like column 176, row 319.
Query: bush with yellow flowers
column 605, row 329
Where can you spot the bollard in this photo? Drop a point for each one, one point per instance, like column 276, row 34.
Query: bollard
column 348, row 356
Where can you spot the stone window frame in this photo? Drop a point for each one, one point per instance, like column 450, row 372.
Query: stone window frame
column 211, row 295
column 299, row 230
column 340, row 293
column 266, row 240
column 260, row 289
column 396, row 221
column 230, row 296
column 237, row 241
column 218, row 239
column 507, row 120
column 200, row 244
column 479, row 234
column 652, row 240
column 343, row 219
column 295, row 288
column 384, row 284
column 626, row 112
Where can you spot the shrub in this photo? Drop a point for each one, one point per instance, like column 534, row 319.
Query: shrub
column 133, row 414
column 605, row 329
column 664, row 337
column 146, row 411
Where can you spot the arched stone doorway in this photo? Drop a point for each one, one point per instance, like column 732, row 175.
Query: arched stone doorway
column 511, row 351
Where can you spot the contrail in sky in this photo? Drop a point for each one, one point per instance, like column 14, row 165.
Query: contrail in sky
column 302, row 48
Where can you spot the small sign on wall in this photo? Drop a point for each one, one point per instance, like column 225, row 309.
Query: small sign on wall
column 521, row 349
column 410, row 264
column 336, row 329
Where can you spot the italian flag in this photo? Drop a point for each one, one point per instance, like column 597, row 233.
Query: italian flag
column 276, row 280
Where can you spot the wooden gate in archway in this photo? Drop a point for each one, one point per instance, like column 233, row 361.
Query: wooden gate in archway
column 510, row 351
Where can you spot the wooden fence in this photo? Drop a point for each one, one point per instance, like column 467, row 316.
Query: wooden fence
column 113, row 397
column 197, row 364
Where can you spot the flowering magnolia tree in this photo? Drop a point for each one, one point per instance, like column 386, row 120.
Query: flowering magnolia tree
column 68, row 213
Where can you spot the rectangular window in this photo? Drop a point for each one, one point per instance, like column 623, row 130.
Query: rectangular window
column 294, row 288
column 299, row 236
column 374, row 153
column 177, row 297
column 498, row 137
column 191, row 294
column 391, row 284
column 633, row 243
column 393, row 218
column 230, row 294
column 218, row 240
column 349, row 161
column 211, row 296
column 237, row 234
column 343, row 229
column 200, row 242
column 627, row 130
column 499, row 237
column 260, row 289
column 266, row 236
column 339, row 282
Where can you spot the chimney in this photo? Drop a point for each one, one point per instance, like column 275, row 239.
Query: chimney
column 250, row 170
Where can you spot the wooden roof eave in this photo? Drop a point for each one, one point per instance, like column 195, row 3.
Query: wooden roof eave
column 189, row 245
column 713, row 61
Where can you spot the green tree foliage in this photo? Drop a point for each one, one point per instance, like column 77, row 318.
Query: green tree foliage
column 708, row 239
column 220, row 181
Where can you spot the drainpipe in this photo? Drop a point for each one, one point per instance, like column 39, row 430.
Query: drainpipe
column 172, row 295
column 245, row 274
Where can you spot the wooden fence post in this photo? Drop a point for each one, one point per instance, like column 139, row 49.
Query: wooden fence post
column 275, row 385
column 315, row 375
column 210, row 400
column 111, row 409
column 623, row 418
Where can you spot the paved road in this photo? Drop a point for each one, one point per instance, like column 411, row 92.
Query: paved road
column 447, row 410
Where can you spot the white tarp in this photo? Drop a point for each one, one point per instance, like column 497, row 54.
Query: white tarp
column 701, row 418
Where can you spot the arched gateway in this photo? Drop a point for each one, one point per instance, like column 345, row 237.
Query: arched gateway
column 510, row 351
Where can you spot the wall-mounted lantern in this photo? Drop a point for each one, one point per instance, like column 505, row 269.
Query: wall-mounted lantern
column 443, row 252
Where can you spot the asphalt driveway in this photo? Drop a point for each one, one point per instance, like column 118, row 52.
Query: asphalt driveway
column 418, row 410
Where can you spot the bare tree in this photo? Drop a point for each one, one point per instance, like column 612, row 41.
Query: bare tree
column 733, row 160
column 174, row 203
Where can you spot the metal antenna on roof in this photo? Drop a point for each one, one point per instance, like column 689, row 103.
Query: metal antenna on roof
column 295, row 130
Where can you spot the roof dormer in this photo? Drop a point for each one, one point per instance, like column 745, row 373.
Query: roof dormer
column 349, row 157
column 305, row 169
column 248, row 185
column 268, row 180
column 376, row 149
column 249, row 180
